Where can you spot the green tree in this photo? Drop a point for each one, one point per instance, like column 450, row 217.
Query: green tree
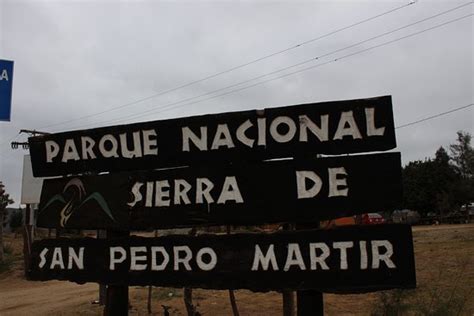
column 445, row 180
column 462, row 155
column 428, row 185
column 5, row 200
column 442, row 157
column 441, row 184
column 419, row 186
column 16, row 220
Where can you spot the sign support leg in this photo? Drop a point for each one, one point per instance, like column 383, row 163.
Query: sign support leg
column 288, row 303
column 27, row 237
column 150, row 288
column 116, row 302
column 288, row 297
column 310, row 303
column 233, row 303
column 101, row 234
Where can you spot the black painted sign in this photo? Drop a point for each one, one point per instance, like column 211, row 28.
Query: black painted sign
column 304, row 190
column 349, row 259
column 302, row 130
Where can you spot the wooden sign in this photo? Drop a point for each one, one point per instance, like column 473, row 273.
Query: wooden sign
column 254, row 193
column 349, row 259
column 302, row 130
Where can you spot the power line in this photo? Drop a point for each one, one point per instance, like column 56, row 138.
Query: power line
column 174, row 105
column 435, row 116
column 319, row 65
column 238, row 66
column 414, row 122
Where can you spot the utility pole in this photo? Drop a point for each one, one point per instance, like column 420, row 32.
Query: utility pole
column 24, row 145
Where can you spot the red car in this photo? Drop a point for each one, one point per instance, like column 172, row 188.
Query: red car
column 372, row 218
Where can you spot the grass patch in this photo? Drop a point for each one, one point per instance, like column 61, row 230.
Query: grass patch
column 6, row 264
column 422, row 302
column 8, row 258
column 7, row 249
column 392, row 303
column 444, row 295
column 443, row 303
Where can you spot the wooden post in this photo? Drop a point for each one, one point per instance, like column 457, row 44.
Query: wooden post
column 188, row 301
column 102, row 234
column 148, row 305
column 102, row 294
column 309, row 302
column 188, row 292
column 288, row 303
column 27, row 236
column 150, row 288
column 116, row 302
column 233, row 303
column 288, row 296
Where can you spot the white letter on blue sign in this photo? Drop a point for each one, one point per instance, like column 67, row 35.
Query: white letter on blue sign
column 4, row 75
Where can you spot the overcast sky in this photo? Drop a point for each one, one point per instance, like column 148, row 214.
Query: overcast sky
column 76, row 59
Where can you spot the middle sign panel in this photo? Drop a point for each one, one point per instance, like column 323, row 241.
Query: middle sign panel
column 254, row 193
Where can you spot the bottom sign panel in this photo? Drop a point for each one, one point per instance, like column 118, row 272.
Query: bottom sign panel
column 350, row 259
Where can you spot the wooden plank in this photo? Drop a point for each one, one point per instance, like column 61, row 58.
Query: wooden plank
column 349, row 259
column 319, row 128
column 254, row 193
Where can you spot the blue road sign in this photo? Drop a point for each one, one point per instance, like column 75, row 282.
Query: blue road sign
column 6, row 80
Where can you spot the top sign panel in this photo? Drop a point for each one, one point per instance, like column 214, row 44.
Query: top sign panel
column 332, row 128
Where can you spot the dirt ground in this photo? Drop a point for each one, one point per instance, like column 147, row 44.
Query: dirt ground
column 445, row 275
